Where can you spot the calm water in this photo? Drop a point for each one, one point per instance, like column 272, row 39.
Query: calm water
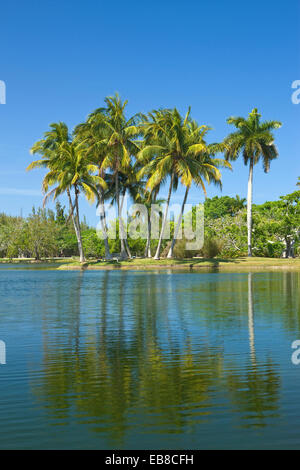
column 149, row 360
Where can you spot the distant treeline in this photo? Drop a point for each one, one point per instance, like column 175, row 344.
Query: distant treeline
column 47, row 233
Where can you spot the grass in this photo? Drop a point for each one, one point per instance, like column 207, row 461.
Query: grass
column 34, row 261
column 223, row 264
column 194, row 263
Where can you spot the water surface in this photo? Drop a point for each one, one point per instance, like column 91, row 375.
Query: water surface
column 135, row 360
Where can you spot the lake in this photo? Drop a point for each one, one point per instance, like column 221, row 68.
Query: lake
column 149, row 360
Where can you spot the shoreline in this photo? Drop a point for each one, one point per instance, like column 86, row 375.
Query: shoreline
column 190, row 265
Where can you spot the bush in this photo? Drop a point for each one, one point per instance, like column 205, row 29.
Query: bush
column 212, row 247
column 92, row 245
column 268, row 249
column 180, row 251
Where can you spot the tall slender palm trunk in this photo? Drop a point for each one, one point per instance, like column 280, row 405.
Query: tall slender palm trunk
column 121, row 228
column 249, row 207
column 125, row 240
column 157, row 254
column 104, row 229
column 148, row 242
column 176, row 231
column 127, row 248
column 104, row 226
column 149, row 225
column 76, row 223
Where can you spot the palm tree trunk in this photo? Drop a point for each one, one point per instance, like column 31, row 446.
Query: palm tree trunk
column 104, row 227
column 157, row 254
column 75, row 219
column 127, row 248
column 121, row 228
column 107, row 250
column 148, row 242
column 79, row 239
column 149, row 228
column 125, row 240
column 170, row 254
column 249, row 208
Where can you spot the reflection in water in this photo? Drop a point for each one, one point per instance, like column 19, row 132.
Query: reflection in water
column 149, row 360
column 254, row 391
column 251, row 318
column 142, row 354
column 129, row 364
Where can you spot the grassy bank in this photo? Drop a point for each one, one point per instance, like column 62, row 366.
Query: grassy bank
column 33, row 261
column 187, row 264
column 176, row 264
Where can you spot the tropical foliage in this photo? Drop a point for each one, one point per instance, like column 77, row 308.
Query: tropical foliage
column 110, row 156
column 255, row 141
column 69, row 168
column 276, row 233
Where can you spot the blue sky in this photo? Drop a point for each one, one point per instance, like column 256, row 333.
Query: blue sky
column 59, row 59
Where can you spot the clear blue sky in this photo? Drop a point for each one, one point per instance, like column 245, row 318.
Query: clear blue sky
column 59, row 59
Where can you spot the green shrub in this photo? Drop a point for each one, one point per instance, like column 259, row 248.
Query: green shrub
column 212, row 247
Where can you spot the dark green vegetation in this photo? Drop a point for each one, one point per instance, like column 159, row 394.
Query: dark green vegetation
column 110, row 156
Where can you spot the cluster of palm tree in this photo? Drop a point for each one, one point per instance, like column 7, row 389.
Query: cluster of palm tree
column 109, row 157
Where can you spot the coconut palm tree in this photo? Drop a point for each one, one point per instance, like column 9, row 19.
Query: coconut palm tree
column 91, row 133
column 118, row 145
column 149, row 201
column 175, row 148
column 255, row 140
column 197, row 166
column 153, row 207
column 69, row 170
column 156, row 160
column 129, row 185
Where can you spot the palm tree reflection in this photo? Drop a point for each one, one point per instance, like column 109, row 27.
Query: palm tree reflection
column 255, row 393
column 251, row 319
column 139, row 364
